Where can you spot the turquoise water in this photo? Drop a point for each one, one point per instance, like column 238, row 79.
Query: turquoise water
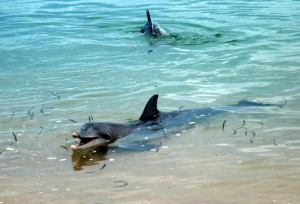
column 82, row 58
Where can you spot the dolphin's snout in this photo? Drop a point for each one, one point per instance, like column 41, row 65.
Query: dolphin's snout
column 74, row 147
column 75, row 135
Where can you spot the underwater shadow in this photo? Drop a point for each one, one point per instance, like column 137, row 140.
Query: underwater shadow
column 90, row 157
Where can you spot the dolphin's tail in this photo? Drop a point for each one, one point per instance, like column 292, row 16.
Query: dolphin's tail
column 148, row 16
column 246, row 103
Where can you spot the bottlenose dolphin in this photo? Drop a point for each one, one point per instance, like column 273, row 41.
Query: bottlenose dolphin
column 152, row 124
column 152, row 29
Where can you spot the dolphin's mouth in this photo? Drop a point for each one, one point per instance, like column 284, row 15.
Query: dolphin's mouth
column 85, row 142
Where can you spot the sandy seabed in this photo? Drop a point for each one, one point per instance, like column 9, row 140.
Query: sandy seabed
column 217, row 168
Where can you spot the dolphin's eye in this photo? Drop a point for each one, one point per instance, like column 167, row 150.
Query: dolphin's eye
column 86, row 127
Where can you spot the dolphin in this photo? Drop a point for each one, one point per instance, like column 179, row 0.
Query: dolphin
column 152, row 29
column 151, row 125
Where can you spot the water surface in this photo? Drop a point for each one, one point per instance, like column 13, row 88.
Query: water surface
column 63, row 61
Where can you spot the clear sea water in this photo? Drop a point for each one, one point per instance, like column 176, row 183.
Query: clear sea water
column 74, row 59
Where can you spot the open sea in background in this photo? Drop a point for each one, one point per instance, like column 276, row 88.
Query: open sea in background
column 63, row 61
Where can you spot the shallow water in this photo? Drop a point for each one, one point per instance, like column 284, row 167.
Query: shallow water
column 62, row 62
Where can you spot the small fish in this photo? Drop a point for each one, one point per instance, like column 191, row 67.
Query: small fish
column 158, row 147
column 122, row 185
column 42, row 110
column 91, row 118
column 285, row 102
column 274, row 141
column 41, row 130
column 223, row 126
column 65, row 148
column 15, row 136
column 262, row 124
column 90, row 172
column 13, row 114
column 243, row 125
column 71, row 120
column 30, row 113
column 163, row 130
column 244, row 122
column 253, row 135
column 104, row 165
column 54, row 94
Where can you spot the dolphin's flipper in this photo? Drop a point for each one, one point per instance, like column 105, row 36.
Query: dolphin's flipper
column 150, row 111
column 148, row 16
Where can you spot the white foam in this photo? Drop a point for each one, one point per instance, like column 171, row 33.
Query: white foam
column 9, row 149
column 255, row 149
column 51, row 158
column 223, row 145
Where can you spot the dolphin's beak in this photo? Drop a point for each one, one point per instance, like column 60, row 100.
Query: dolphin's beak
column 74, row 147
column 87, row 142
column 75, row 135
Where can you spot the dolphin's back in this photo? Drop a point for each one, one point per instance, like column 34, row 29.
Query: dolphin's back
column 152, row 29
column 185, row 119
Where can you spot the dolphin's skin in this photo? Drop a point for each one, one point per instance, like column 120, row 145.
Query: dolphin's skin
column 152, row 29
column 152, row 123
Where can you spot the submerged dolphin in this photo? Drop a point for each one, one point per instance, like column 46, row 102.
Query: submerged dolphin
column 152, row 29
column 152, row 123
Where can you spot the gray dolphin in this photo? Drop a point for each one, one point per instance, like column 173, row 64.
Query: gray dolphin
column 152, row 29
column 152, row 124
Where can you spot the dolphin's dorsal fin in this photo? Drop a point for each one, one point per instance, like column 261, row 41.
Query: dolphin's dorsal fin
column 150, row 111
column 148, row 16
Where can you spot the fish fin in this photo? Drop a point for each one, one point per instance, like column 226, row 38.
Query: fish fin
column 148, row 16
column 150, row 111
